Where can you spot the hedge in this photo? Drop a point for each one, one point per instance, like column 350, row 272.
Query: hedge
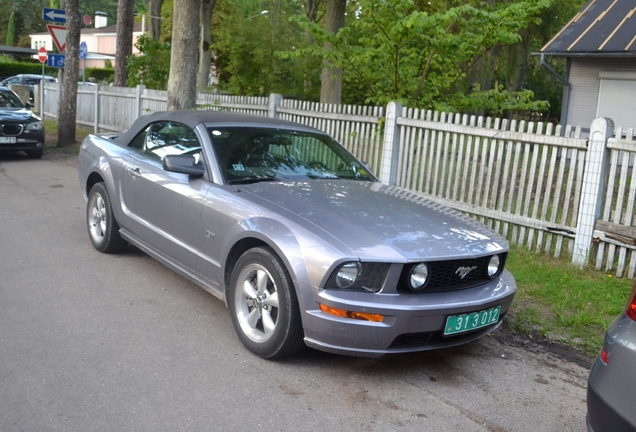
column 100, row 74
column 10, row 69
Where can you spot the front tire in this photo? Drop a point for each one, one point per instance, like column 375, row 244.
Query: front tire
column 103, row 229
column 263, row 305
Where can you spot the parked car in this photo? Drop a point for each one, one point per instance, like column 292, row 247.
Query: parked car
column 611, row 385
column 20, row 130
column 295, row 234
column 27, row 79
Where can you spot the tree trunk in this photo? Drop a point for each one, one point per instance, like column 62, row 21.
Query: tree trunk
column 182, row 82
column 154, row 9
column 519, row 55
column 331, row 81
column 68, row 102
column 204, row 44
column 125, row 23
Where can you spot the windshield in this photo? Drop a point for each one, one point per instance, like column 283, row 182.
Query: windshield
column 8, row 99
column 252, row 154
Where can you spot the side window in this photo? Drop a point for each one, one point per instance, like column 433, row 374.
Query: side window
column 167, row 138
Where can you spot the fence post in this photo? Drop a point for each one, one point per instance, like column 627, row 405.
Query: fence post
column 593, row 190
column 140, row 91
column 96, row 110
column 390, row 149
column 275, row 101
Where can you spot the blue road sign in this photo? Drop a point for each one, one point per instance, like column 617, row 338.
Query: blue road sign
column 55, row 15
column 83, row 51
column 56, row 60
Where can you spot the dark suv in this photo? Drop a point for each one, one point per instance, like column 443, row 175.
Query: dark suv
column 27, row 79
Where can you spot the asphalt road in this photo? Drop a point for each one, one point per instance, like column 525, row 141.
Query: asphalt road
column 93, row 342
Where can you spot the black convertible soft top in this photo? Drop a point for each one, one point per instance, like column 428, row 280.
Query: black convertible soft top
column 194, row 118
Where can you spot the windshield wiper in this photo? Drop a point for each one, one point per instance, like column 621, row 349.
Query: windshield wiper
column 250, row 180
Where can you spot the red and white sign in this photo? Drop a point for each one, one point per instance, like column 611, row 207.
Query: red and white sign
column 59, row 36
column 42, row 55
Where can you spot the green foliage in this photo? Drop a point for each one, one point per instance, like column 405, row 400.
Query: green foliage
column 15, row 68
column 422, row 54
column 246, row 42
column 152, row 66
column 497, row 102
column 11, row 29
column 18, row 18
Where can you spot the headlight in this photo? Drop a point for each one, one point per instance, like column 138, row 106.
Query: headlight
column 347, row 275
column 418, row 277
column 35, row 126
column 357, row 276
column 494, row 265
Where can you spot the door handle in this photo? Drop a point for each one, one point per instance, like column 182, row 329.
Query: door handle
column 134, row 171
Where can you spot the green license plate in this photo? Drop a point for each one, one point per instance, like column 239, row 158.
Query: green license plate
column 463, row 323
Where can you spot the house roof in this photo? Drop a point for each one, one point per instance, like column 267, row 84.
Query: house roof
column 604, row 28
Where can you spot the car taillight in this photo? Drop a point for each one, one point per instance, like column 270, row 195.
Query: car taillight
column 630, row 311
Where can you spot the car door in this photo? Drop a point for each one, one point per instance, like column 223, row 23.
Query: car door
column 164, row 208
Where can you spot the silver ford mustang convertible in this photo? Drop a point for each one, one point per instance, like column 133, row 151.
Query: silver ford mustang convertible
column 301, row 241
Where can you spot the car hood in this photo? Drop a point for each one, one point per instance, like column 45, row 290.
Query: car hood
column 15, row 114
column 378, row 222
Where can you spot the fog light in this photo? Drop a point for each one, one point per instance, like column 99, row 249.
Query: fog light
column 493, row 265
column 419, row 277
column 351, row 314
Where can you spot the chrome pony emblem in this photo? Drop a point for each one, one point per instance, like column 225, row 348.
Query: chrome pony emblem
column 462, row 272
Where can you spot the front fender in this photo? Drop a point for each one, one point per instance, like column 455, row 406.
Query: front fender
column 94, row 166
column 307, row 257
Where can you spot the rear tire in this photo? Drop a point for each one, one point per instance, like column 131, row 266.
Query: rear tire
column 103, row 229
column 263, row 305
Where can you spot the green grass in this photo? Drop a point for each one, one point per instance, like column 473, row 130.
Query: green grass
column 50, row 126
column 562, row 303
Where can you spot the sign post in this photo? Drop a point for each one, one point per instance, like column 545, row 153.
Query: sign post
column 42, row 56
column 83, row 51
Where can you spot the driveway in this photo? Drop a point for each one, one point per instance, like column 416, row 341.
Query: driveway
column 120, row 343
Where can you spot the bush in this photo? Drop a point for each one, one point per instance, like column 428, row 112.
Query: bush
column 101, row 74
column 11, row 69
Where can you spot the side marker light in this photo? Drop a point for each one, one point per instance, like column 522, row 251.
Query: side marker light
column 351, row 314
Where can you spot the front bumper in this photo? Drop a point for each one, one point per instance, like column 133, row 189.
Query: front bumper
column 412, row 322
column 24, row 144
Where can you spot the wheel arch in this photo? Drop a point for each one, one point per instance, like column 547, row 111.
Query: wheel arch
column 251, row 240
column 92, row 179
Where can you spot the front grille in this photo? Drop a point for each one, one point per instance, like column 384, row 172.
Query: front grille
column 12, row 129
column 445, row 275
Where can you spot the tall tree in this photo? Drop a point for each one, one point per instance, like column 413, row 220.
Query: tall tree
column 331, row 83
column 154, row 9
column 204, row 44
column 125, row 24
column 11, row 29
column 68, row 103
column 182, row 82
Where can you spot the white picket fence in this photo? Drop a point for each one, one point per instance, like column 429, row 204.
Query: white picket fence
column 524, row 180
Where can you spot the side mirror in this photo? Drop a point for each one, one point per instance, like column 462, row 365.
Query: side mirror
column 184, row 164
column 27, row 105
